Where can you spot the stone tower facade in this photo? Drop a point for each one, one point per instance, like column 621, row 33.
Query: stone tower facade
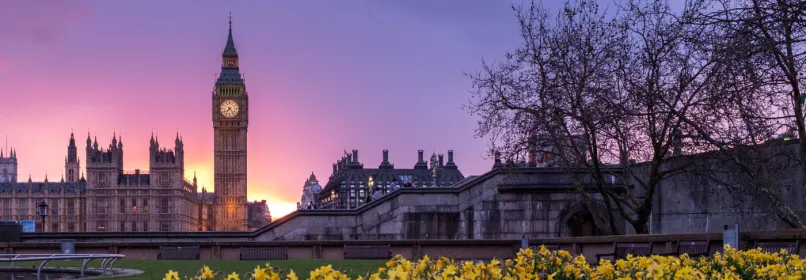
column 71, row 164
column 230, row 122
column 103, row 169
column 8, row 166
column 159, row 199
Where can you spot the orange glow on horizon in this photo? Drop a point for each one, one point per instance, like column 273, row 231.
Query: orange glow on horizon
column 256, row 191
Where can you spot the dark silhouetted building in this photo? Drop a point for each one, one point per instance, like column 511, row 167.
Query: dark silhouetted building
column 351, row 185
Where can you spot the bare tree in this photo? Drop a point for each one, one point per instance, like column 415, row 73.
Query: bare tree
column 756, row 94
column 548, row 89
column 606, row 83
column 665, row 69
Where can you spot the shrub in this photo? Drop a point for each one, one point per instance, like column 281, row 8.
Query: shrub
column 556, row 265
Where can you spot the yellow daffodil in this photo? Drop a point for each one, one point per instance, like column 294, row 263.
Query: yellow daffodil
column 171, row 275
column 730, row 264
column 233, row 276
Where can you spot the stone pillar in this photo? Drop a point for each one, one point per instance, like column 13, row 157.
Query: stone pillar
column 215, row 252
column 317, row 252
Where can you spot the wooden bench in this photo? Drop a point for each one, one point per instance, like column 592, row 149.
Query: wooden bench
column 178, row 253
column 621, row 250
column 776, row 246
column 692, row 248
column 264, row 253
column 368, row 252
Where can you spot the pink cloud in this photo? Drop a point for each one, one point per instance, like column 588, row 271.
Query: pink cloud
column 40, row 21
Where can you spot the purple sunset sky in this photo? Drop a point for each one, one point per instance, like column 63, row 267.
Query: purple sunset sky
column 323, row 76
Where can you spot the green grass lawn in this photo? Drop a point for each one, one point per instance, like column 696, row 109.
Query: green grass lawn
column 153, row 269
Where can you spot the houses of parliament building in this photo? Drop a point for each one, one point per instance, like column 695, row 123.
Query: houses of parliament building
column 160, row 199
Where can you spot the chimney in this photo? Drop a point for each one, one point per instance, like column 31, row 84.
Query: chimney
column 349, row 159
column 335, row 168
column 440, row 160
column 385, row 163
column 137, row 171
column 421, row 164
column 355, row 155
column 450, row 164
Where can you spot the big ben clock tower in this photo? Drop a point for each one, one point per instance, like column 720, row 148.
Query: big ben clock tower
column 230, row 122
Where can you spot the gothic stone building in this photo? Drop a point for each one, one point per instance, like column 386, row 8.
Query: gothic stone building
column 108, row 199
column 259, row 214
column 160, row 199
column 66, row 199
column 351, row 185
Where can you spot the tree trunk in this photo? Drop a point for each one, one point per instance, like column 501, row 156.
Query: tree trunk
column 641, row 226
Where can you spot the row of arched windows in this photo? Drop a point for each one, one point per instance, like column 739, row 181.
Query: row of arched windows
column 229, row 90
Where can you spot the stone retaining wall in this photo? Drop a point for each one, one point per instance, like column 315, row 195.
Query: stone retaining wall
column 457, row 249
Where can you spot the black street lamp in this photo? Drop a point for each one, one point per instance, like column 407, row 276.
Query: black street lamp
column 43, row 212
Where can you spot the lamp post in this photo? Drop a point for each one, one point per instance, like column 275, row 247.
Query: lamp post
column 371, row 189
column 43, row 212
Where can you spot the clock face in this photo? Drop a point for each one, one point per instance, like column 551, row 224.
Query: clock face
column 229, row 108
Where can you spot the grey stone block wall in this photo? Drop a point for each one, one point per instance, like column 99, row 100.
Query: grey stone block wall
column 714, row 193
column 479, row 210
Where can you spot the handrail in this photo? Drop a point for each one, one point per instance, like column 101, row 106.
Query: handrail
column 106, row 260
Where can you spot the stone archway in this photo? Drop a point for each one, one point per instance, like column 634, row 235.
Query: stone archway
column 582, row 224
column 577, row 220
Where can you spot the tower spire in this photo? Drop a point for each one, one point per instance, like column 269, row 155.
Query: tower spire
column 229, row 49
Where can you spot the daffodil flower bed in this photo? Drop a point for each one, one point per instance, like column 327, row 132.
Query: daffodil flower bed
column 545, row 264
